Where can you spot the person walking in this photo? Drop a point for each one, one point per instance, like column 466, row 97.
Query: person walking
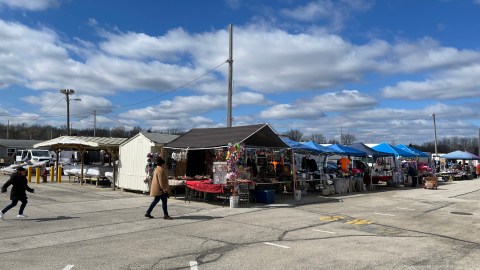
column 160, row 189
column 19, row 183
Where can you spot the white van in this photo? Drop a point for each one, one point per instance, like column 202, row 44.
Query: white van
column 34, row 155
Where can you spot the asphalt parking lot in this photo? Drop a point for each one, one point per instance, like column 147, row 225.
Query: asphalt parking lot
column 86, row 227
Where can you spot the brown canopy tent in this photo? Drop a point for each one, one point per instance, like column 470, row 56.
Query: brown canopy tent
column 260, row 135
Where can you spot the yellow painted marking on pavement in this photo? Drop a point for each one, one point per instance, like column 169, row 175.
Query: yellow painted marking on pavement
column 331, row 218
column 359, row 222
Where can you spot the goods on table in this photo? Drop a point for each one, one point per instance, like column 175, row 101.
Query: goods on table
column 430, row 182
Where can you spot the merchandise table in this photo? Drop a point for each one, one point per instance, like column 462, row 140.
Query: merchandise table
column 206, row 186
column 347, row 185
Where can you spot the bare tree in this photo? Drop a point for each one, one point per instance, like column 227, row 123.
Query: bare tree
column 318, row 138
column 348, row 138
column 294, row 134
column 333, row 141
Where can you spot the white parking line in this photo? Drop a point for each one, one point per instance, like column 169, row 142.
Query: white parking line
column 421, row 203
column 403, row 208
column 68, row 267
column 276, row 245
column 324, row 231
column 193, row 265
column 390, row 215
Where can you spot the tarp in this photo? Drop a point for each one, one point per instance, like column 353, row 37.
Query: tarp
column 388, row 148
column 369, row 151
column 345, row 150
column 261, row 135
column 460, row 155
column 417, row 152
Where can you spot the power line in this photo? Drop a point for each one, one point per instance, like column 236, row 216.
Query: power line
column 168, row 92
column 115, row 120
column 45, row 111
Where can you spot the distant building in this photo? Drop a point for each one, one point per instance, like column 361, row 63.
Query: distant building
column 8, row 148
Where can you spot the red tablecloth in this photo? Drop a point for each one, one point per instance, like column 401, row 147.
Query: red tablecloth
column 205, row 186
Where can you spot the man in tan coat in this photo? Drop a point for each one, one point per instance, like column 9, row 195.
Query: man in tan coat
column 160, row 189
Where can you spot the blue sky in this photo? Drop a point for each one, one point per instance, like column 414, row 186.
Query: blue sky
column 374, row 69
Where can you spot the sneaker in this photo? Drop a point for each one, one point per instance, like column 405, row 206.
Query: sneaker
column 167, row 217
column 21, row 216
column 148, row 215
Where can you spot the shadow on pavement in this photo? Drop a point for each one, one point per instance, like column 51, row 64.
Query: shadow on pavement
column 197, row 217
column 52, row 218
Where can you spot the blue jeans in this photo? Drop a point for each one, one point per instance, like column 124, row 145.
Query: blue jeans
column 14, row 203
column 157, row 199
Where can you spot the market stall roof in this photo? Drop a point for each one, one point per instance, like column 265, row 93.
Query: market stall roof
column 345, row 150
column 260, row 135
column 460, row 155
column 388, row 148
column 67, row 142
column 417, row 152
column 369, row 151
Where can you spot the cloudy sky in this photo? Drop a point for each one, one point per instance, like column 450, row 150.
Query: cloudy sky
column 374, row 69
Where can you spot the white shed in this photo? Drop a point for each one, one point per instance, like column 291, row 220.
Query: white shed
column 133, row 158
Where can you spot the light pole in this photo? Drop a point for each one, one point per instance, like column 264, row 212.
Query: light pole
column 435, row 133
column 67, row 93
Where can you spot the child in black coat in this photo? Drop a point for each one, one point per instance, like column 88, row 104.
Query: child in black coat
column 19, row 184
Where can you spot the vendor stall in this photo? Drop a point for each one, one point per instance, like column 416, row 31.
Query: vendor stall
column 251, row 153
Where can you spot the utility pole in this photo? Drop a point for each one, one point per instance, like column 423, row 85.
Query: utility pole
column 8, row 127
column 67, row 93
column 479, row 141
column 341, row 135
column 94, row 122
column 435, row 133
column 230, row 78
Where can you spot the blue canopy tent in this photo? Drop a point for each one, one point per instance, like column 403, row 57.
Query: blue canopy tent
column 321, row 148
column 417, row 152
column 298, row 146
column 464, row 155
column 347, row 151
column 397, row 152
column 369, row 151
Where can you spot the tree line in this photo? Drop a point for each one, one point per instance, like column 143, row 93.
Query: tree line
column 47, row 132
column 444, row 145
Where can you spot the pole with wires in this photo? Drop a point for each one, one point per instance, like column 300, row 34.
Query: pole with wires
column 230, row 78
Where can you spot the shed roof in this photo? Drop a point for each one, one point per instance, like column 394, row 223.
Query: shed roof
column 260, row 135
column 160, row 138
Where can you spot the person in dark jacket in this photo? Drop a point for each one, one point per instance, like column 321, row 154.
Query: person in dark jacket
column 19, row 184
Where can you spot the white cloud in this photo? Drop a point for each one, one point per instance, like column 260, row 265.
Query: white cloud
column 34, row 5
column 334, row 12
column 345, row 100
column 182, row 106
column 452, row 84
column 289, row 111
column 424, row 54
